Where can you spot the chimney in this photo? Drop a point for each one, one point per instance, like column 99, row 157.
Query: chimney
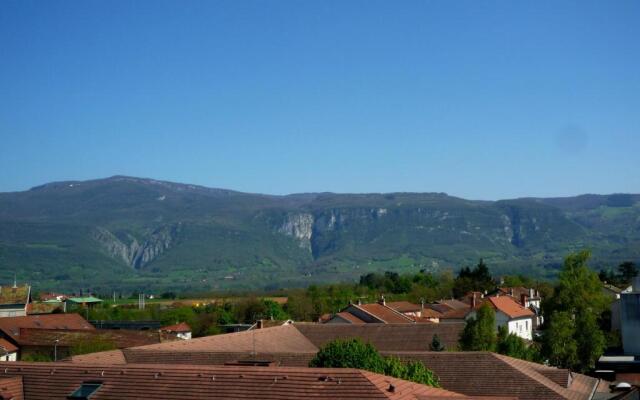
column 382, row 301
column 511, row 292
column 531, row 292
column 523, row 299
column 473, row 300
column 359, row 301
column 259, row 324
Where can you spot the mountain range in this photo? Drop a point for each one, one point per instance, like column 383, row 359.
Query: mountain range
column 129, row 233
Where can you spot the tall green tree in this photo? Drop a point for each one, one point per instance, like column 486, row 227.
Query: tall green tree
column 479, row 333
column 574, row 338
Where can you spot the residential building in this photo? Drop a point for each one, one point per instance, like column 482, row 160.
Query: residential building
column 472, row 374
column 373, row 313
column 8, row 351
column 181, row 330
column 14, row 300
column 518, row 319
column 58, row 381
column 12, row 328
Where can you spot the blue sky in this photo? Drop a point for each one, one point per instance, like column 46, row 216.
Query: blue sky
column 484, row 100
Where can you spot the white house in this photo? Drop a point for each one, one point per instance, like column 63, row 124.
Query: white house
column 8, row 351
column 517, row 318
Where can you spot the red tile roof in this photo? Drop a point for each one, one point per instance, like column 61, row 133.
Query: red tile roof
column 404, row 306
column 510, row 307
column 11, row 388
column 384, row 313
column 277, row 339
column 287, row 345
column 11, row 326
column 120, row 338
column 8, row 346
column 490, row 374
column 182, row 327
column 350, row 318
column 58, row 380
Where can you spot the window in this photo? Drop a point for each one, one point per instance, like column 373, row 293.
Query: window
column 85, row 391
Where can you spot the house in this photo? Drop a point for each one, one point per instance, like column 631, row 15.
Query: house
column 407, row 308
column 290, row 345
column 8, row 351
column 373, row 313
column 12, row 328
column 181, row 330
column 14, row 300
column 88, row 301
column 483, row 374
column 58, row 344
column 518, row 319
column 61, row 381
column 527, row 297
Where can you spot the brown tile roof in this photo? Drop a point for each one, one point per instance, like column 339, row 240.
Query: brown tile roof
column 404, row 306
column 350, row 318
column 384, row 313
column 277, row 339
column 166, row 382
column 182, row 327
column 11, row 388
column 455, row 304
column 8, row 346
column 120, row 338
column 490, row 374
column 14, row 295
column 516, row 292
column 510, row 307
column 385, row 337
column 293, row 345
column 11, row 326
column 102, row 357
column 430, row 313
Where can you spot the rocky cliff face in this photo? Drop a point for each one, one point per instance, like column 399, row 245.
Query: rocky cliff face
column 137, row 254
column 300, row 227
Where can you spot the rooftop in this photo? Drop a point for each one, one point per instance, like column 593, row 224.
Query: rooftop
column 11, row 325
column 59, row 380
column 509, row 306
column 182, row 327
column 384, row 313
column 118, row 337
column 14, row 295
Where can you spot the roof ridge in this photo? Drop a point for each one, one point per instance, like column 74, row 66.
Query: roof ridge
column 369, row 313
column 531, row 373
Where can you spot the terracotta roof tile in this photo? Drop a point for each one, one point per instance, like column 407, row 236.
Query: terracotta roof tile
column 489, row 374
column 11, row 326
column 168, row 382
column 11, row 388
column 404, row 306
column 120, row 338
column 350, row 317
column 8, row 346
column 384, row 313
column 385, row 337
column 182, row 327
column 278, row 339
column 510, row 307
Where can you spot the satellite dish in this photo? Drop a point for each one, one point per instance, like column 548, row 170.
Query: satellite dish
column 623, row 386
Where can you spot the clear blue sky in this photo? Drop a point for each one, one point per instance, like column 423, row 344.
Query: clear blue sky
column 480, row 99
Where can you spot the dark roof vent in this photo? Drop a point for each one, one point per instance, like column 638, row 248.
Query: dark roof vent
column 392, row 388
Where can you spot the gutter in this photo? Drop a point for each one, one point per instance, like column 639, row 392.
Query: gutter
column 593, row 391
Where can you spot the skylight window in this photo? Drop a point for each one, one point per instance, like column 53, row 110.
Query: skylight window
column 85, row 391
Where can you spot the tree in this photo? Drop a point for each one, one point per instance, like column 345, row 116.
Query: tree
column 559, row 342
column 627, row 271
column 354, row 353
column 513, row 345
column 479, row 333
column 477, row 279
column 436, row 345
column 574, row 338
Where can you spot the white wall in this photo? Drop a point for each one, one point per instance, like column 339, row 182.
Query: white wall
column 13, row 312
column 9, row 357
column 522, row 327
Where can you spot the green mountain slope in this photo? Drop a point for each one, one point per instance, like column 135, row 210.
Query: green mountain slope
column 131, row 233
